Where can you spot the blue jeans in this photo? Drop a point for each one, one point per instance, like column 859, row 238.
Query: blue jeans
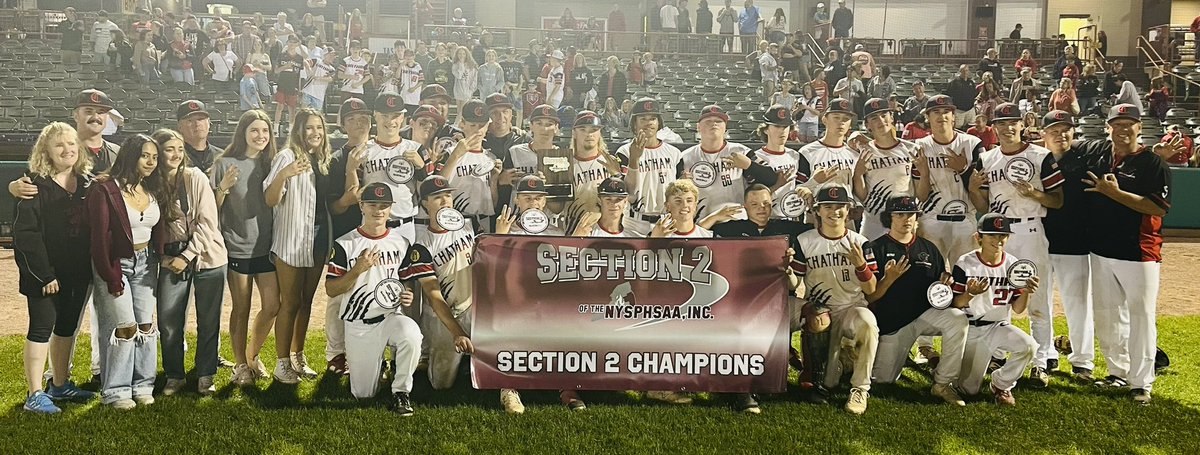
column 128, row 365
column 173, row 290
column 307, row 100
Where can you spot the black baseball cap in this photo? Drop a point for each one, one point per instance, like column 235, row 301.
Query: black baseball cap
column 390, row 103
column 903, row 204
column 190, row 107
column 426, row 110
column 530, row 184
column 876, row 106
column 1005, row 111
column 432, row 91
column 377, row 192
column 994, row 223
column 712, row 110
column 543, row 111
column 496, row 100
column 352, row 106
column 612, row 186
column 432, row 185
column 778, row 115
column 939, row 102
column 840, row 105
column 645, row 106
column 474, row 111
column 587, row 118
column 1124, row 111
column 833, row 194
column 94, row 98
column 1056, row 117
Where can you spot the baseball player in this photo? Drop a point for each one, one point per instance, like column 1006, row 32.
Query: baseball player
column 614, row 200
column 652, row 164
column 884, row 169
column 829, row 160
column 435, row 95
column 393, row 161
column 523, row 159
column 423, row 125
column 366, row 282
column 471, row 170
column 1020, row 181
column 591, row 162
column 450, row 240
column 529, row 217
column 904, row 300
column 681, row 197
column 1071, row 273
column 1129, row 191
column 837, row 271
column 985, row 288
column 719, row 168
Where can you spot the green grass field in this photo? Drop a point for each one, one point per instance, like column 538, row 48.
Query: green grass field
column 321, row 417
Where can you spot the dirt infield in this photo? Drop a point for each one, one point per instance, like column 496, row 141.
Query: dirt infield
column 1178, row 296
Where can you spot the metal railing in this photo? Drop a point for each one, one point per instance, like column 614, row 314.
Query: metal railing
column 1162, row 67
column 946, row 50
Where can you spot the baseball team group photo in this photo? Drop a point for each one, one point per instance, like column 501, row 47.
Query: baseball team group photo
column 517, row 226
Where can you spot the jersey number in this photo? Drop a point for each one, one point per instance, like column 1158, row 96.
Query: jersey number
column 1005, row 297
column 846, row 276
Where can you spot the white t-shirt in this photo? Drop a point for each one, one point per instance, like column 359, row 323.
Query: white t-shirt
column 808, row 116
column 316, row 88
column 770, row 68
column 356, row 70
column 555, row 78
column 223, row 65
column 283, row 32
column 669, row 14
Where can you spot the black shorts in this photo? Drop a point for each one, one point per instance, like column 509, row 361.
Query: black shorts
column 252, row 266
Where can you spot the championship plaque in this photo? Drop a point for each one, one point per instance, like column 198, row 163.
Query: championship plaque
column 555, row 166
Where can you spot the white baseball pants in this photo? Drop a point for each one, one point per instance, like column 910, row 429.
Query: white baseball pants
column 443, row 360
column 1028, row 241
column 1072, row 277
column 950, row 323
column 853, row 332
column 1125, row 294
column 364, row 351
column 982, row 342
column 953, row 239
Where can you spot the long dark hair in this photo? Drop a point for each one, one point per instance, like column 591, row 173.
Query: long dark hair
column 124, row 170
column 170, row 211
column 237, row 145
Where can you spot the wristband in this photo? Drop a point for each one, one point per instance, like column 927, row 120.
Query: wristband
column 863, row 275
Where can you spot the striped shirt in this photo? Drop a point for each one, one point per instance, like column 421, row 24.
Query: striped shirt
column 295, row 215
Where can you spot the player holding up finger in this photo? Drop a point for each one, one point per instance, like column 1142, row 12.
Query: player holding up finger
column 829, row 160
column 652, row 164
column 393, row 161
column 524, row 159
column 884, row 169
column 719, row 168
column 775, row 154
column 680, row 219
column 471, row 170
column 990, row 285
column 529, row 216
column 614, row 200
column 366, row 280
column 1020, row 181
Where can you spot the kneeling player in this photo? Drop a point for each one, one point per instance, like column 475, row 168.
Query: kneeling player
column 366, row 280
column 984, row 287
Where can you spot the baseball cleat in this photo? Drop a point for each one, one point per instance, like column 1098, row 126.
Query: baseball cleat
column 68, row 391
column 1161, row 361
column 930, row 356
column 1062, row 344
column 1111, row 382
column 817, row 395
column 1082, row 374
column 173, row 386
column 1140, row 396
column 1039, row 377
column 857, row 404
column 222, row 362
column 571, row 400
column 41, row 403
column 796, row 361
column 669, row 397
column 401, row 404
column 284, row 373
column 745, row 402
column 337, row 365
column 511, row 400
column 1003, row 397
column 947, row 393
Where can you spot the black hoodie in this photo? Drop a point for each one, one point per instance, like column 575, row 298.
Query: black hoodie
column 50, row 236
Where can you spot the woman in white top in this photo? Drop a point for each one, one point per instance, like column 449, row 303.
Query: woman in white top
column 260, row 60
column 466, row 78
column 221, row 63
column 297, row 189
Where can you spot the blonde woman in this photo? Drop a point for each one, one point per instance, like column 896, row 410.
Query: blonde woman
column 297, row 188
column 466, row 76
column 49, row 233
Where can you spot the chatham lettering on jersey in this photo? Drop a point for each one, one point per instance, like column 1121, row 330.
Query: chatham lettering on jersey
column 677, row 363
column 827, row 260
column 886, row 162
column 567, row 263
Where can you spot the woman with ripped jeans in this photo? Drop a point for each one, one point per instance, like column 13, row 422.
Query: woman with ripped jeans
column 126, row 241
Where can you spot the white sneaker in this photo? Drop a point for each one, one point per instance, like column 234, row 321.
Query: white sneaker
column 173, row 386
column 242, row 375
column 124, row 405
column 669, row 397
column 144, row 400
column 260, row 370
column 511, row 400
column 206, row 386
column 857, row 404
column 946, row 392
column 300, row 364
column 284, row 373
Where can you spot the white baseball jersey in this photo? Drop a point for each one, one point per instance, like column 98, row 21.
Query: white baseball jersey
column 586, row 175
column 472, row 183
column 787, row 204
column 1033, row 164
column 697, row 232
column 889, row 174
column 948, row 193
column 598, row 231
column 657, row 168
column 994, row 304
column 376, row 292
column 719, row 182
column 356, row 70
column 817, row 155
column 556, row 78
column 451, row 254
column 522, row 158
column 386, row 164
column 824, row 264
column 315, row 88
column 550, row 229
column 408, row 78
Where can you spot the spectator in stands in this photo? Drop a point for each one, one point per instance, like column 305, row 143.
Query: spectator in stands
column 480, row 48
column 581, row 86
column 180, row 58
column 984, row 132
column 317, row 76
column 567, row 20
column 916, row 129
column 962, row 90
column 72, row 42
column 635, row 72
column 532, row 97
column 784, row 96
column 612, row 83
column 146, row 58
column 223, row 34
column 1159, row 99
column 820, row 89
column 793, row 56
column 835, row 69
column 807, row 113
column 1088, row 90
column 868, row 61
column 491, row 74
column 1180, row 157
column 649, row 68
column 614, row 119
column 440, row 70
column 1067, row 62
column 851, row 87
column 727, row 18
column 989, row 64
column 1064, row 98
column 748, row 21
column 685, row 19
column 243, row 43
column 843, row 20
column 1128, row 93
column 121, row 52
column 457, row 17
column 1023, row 85
column 287, row 83
column 915, row 103
column 1026, row 61
column 283, row 30
column 668, row 18
column 821, row 22
column 882, row 85
column 466, row 76
column 1111, row 85
column 988, row 97
column 1015, row 33
column 704, row 19
column 197, row 38
column 768, row 63
column 260, row 62
column 423, row 13
column 102, row 37
column 221, row 64
column 776, row 28
column 355, row 71
column 1029, row 104
column 357, row 26
column 554, row 80
column 307, row 25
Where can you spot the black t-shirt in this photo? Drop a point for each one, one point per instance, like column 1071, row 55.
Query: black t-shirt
column 352, row 217
column 440, row 72
column 1065, row 226
column 1114, row 230
column 747, row 228
column 202, row 160
column 512, row 72
column 906, row 299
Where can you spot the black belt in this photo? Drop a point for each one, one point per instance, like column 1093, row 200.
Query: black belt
column 397, row 222
column 953, row 218
column 647, row 218
column 374, row 320
column 1020, row 220
column 982, row 323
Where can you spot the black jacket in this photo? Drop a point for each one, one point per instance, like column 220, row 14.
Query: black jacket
column 620, row 88
column 992, row 66
column 50, row 236
column 704, row 21
column 963, row 92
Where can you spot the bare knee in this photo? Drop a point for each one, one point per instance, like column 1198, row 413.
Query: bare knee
column 145, row 328
column 125, row 333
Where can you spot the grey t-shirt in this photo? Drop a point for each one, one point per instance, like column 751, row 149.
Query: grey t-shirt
column 245, row 218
